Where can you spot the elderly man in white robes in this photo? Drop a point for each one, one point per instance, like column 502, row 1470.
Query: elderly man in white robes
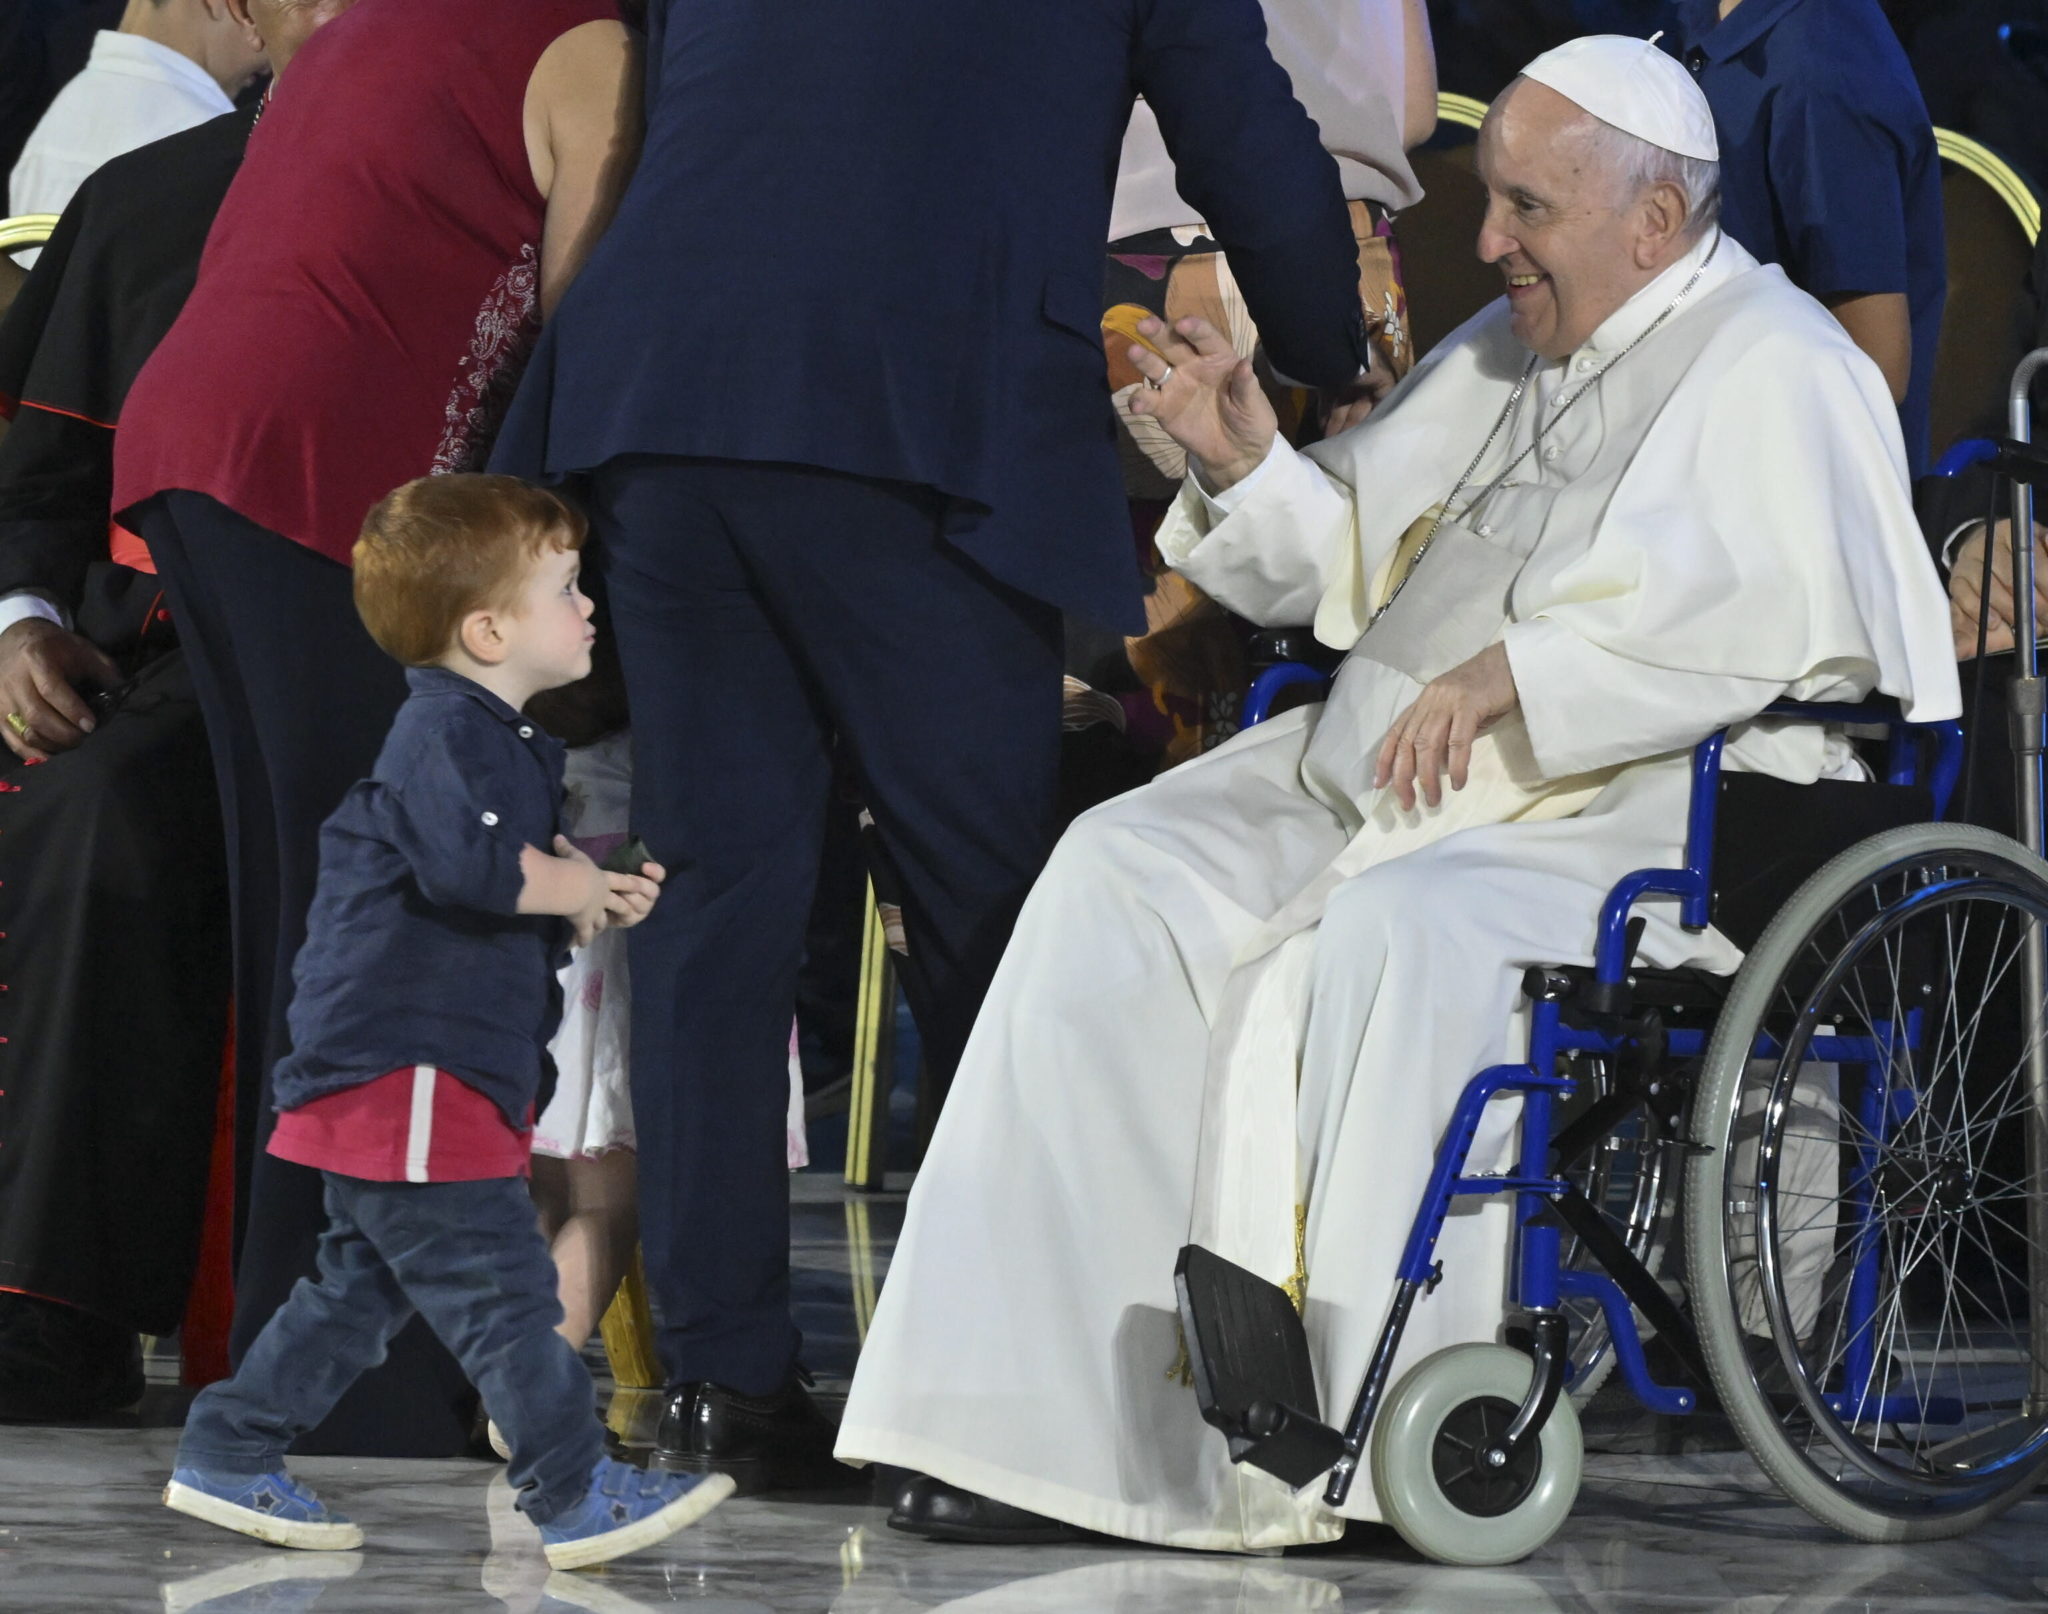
column 1652, row 490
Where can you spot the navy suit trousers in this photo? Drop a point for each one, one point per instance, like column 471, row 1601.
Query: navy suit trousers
column 764, row 614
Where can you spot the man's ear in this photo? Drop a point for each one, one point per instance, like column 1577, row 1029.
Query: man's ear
column 239, row 10
column 1664, row 215
column 482, row 638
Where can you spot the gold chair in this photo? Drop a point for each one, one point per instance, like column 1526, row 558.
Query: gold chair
column 26, row 230
column 628, row 1333
column 19, row 234
column 1991, row 221
column 874, row 1061
column 1440, row 267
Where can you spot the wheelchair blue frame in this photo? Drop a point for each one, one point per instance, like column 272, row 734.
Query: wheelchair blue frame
column 1541, row 1279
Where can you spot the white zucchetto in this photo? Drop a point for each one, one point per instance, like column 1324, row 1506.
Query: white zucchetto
column 1633, row 85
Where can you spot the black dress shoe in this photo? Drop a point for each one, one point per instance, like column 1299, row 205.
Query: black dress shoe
column 940, row 1512
column 766, row 1443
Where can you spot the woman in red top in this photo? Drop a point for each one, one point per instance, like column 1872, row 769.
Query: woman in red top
column 404, row 219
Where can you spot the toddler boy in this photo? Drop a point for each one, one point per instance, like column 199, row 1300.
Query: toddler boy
column 426, row 997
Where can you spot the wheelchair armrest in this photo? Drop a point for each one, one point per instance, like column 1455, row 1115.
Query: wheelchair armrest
column 1258, row 700
column 1693, row 884
column 1964, row 454
column 1268, row 647
column 1902, row 761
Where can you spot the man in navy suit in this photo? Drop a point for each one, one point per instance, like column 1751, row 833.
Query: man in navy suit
column 835, row 375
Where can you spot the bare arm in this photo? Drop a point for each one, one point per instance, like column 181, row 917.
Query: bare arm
column 1418, row 75
column 1881, row 325
column 583, row 127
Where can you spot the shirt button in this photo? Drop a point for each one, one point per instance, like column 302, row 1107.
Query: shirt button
column 1584, row 365
column 1550, row 453
column 525, row 731
column 490, row 818
column 1486, row 532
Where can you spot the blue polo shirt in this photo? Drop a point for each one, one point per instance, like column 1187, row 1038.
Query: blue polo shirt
column 1828, row 163
column 414, row 953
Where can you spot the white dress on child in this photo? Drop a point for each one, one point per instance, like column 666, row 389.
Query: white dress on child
column 592, row 1110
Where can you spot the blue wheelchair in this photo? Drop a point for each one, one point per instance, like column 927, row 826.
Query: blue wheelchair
column 1850, row 1133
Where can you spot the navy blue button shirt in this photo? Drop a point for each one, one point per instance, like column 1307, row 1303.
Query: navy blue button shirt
column 414, row 954
column 1828, row 164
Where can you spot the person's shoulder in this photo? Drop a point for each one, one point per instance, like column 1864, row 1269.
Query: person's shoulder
column 448, row 740
column 1762, row 306
column 162, row 173
column 1848, row 58
column 179, row 151
column 447, row 718
column 1776, row 342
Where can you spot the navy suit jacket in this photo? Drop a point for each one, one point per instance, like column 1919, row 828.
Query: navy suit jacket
column 867, row 235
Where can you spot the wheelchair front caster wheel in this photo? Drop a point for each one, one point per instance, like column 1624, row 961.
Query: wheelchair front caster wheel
column 1430, row 1466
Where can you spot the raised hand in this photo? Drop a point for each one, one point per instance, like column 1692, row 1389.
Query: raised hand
column 1206, row 397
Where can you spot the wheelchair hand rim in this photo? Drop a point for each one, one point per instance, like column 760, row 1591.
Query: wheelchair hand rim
column 1960, row 1491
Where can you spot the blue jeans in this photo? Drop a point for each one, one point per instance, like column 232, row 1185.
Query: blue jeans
column 466, row 1256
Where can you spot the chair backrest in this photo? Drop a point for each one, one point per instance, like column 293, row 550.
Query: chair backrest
column 19, row 234
column 1440, row 268
column 26, row 230
column 1991, row 220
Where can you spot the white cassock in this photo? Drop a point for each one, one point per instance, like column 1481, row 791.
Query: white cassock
column 1258, row 985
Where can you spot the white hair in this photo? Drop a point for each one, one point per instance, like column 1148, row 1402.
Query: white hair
column 1637, row 165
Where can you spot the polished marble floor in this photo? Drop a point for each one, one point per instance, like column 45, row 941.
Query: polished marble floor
column 81, row 1532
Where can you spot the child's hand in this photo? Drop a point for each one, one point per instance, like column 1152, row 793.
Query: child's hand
column 631, row 897
column 592, row 916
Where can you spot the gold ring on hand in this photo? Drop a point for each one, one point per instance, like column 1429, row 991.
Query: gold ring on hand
column 18, row 723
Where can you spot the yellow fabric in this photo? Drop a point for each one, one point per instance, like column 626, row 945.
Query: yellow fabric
column 1406, row 553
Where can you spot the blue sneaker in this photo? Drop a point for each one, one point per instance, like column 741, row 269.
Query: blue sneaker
column 627, row 1508
column 272, row 1507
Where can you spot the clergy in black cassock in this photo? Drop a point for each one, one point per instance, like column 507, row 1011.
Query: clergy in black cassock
column 113, row 916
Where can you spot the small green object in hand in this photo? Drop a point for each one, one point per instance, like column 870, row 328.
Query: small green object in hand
column 628, row 858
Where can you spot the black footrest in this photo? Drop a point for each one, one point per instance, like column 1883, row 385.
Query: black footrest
column 1251, row 1365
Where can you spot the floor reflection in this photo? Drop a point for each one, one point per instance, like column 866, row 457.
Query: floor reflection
column 81, row 1529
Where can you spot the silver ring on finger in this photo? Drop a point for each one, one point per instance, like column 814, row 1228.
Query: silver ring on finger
column 1157, row 383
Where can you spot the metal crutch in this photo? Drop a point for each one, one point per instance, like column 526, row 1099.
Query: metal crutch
column 2026, row 711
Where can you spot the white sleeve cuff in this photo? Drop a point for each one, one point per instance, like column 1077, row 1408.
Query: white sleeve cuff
column 1233, row 497
column 1954, row 540
column 23, row 604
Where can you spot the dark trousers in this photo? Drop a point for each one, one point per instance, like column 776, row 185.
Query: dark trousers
column 760, row 611
column 468, row 1258
column 297, row 700
column 114, row 939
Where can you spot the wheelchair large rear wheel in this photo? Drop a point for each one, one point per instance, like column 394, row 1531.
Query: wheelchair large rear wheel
column 1861, row 1240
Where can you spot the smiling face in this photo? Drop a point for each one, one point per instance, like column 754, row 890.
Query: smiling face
column 1573, row 239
